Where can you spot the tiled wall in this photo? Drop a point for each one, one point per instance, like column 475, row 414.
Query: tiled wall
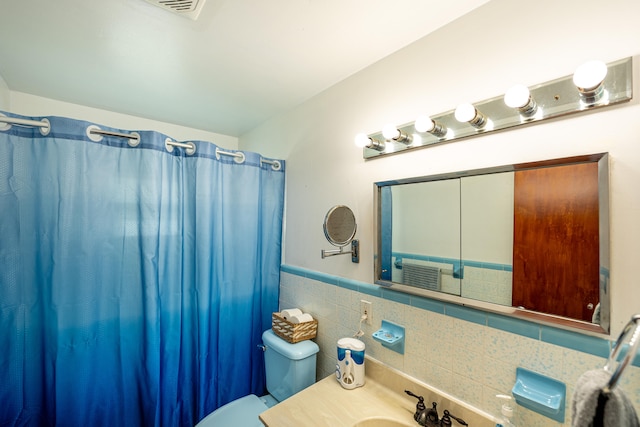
column 469, row 354
column 487, row 284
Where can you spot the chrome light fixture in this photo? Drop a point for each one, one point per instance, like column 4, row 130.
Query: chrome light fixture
column 519, row 97
column 598, row 85
column 588, row 78
column 427, row 124
column 391, row 132
column 363, row 141
column 470, row 114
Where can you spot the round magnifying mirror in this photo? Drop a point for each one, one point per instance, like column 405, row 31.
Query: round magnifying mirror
column 339, row 225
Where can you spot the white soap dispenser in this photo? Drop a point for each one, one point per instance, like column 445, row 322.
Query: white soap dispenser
column 507, row 411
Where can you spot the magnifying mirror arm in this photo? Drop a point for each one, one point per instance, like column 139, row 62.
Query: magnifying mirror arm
column 355, row 251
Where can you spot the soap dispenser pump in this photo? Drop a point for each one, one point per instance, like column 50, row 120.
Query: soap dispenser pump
column 507, row 411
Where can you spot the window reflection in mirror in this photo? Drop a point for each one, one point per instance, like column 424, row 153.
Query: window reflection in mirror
column 487, row 237
column 426, row 235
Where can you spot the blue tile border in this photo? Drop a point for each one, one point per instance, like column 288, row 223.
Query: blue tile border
column 350, row 284
column 427, row 304
column 465, row 313
column 575, row 341
column 284, row 268
column 560, row 337
column 322, row 277
column 514, row 326
column 454, row 261
column 395, row 296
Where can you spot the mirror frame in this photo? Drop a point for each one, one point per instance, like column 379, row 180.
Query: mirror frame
column 549, row 319
column 328, row 234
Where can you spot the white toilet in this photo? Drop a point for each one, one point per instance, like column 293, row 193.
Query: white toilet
column 289, row 368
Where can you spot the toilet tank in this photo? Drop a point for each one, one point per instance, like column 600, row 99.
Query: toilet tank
column 289, row 367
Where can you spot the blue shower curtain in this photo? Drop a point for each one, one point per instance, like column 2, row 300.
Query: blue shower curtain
column 135, row 282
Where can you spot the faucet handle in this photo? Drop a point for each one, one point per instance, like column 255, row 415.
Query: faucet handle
column 420, row 415
column 420, row 406
column 448, row 415
column 445, row 421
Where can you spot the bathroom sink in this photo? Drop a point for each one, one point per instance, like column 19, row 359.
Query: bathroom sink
column 382, row 422
column 381, row 402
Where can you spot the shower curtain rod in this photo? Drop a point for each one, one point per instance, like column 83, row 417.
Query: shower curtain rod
column 45, row 125
column 24, row 122
column 92, row 130
column 116, row 134
column 275, row 164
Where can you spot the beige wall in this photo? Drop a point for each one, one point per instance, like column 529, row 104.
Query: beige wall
column 4, row 95
column 477, row 57
column 473, row 59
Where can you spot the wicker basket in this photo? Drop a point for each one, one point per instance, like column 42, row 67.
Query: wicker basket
column 293, row 332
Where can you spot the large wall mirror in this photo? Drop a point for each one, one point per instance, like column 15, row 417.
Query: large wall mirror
column 527, row 240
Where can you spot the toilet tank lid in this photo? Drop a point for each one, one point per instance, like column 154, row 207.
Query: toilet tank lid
column 297, row 351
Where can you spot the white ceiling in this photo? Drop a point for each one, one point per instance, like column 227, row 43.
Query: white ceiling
column 240, row 63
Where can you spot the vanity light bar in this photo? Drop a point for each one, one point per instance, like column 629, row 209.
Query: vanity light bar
column 594, row 85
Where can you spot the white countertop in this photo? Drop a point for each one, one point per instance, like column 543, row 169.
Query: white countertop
column 327, row 404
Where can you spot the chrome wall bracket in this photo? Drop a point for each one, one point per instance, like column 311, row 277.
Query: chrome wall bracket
column 355, row 251
column 552, row 99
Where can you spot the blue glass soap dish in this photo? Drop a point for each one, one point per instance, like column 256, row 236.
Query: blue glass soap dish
column 391, row 336
column 541, row 394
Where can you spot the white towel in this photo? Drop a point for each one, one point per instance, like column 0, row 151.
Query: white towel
column 618, row 410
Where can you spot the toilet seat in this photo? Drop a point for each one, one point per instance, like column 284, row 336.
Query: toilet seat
column 241, row 412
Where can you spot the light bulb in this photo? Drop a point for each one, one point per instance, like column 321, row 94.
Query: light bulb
column 424, row 124
column 517, row 96
column 390, row 131
column 590, row 75
column 469, row 113
column 465, row 112
column 427, row 124
column 362, row 140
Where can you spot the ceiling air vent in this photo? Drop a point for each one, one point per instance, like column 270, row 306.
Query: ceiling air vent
column 188, row 8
